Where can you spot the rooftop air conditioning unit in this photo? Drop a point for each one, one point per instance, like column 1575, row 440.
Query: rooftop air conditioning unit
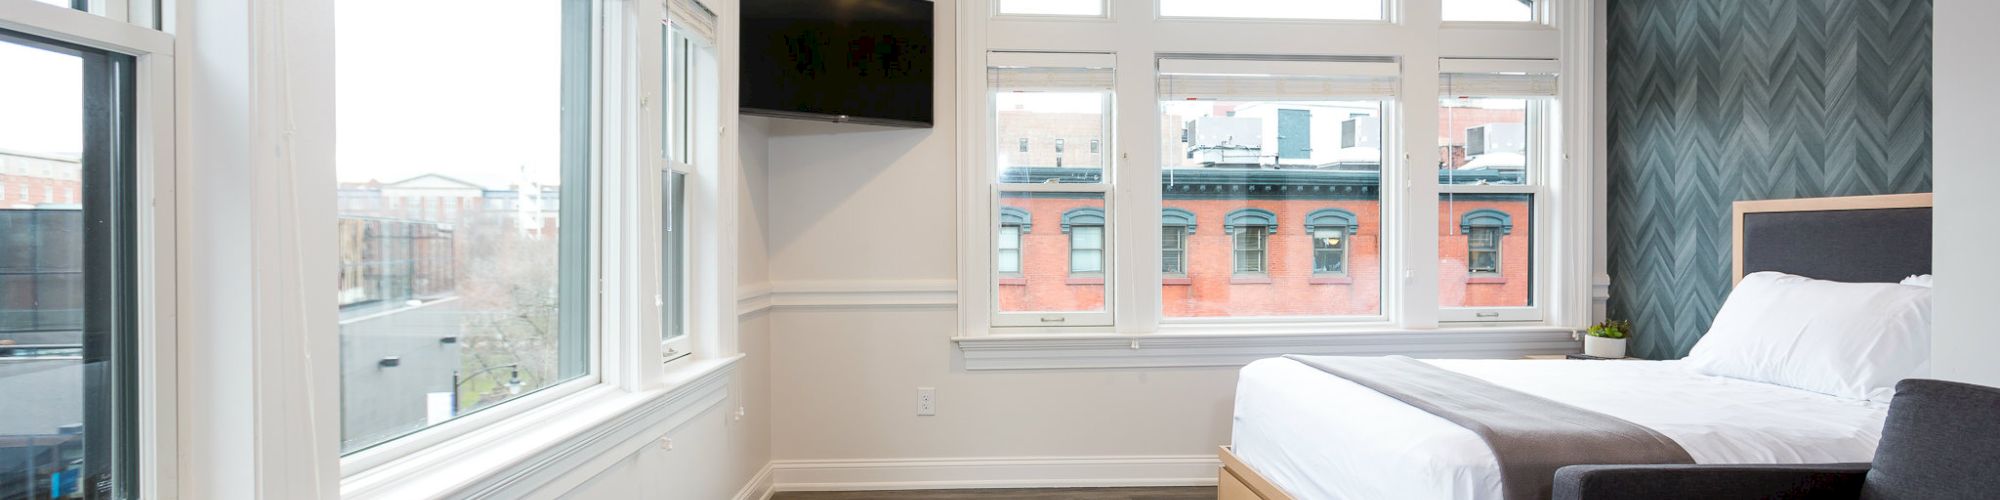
column 1225, row 140
column 1361, row 132
column 1496, row 138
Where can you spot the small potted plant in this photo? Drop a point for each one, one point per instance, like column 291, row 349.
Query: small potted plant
column 1607, row 339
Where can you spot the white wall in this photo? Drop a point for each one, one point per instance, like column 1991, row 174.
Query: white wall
column 865, row 208
column 1964, row 338
column 717, row 455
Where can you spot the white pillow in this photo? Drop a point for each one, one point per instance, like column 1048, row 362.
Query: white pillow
column 1852, row 340
column 1922, row 280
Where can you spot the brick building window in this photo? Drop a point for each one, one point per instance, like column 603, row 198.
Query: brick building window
column 1483, row 229
column 1086, row 240
column 1024, row 144
column 1250, row 254
column 1175, row 226
column 1482, row 250
column 1250, row 232
column 1013, row 222
column 1330, row 229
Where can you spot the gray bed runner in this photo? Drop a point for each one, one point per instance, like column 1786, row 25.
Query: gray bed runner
column 1530, row 435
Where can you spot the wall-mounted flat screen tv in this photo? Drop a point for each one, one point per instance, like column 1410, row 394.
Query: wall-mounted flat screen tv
column 861, row 61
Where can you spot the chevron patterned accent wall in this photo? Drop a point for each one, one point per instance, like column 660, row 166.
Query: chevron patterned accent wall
column 1713, row 101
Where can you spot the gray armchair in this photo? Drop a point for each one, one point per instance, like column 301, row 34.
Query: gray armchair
column 1941, row 441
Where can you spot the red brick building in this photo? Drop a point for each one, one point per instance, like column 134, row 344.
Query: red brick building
column 31, row 180
column 1241, row 242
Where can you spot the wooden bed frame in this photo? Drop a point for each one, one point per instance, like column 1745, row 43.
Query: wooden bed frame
column 1238, row 481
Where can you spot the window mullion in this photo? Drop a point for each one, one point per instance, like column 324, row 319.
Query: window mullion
column 1135, row 154
column 1416, row 238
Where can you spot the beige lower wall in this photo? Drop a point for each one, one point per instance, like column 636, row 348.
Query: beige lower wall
column 844, row 387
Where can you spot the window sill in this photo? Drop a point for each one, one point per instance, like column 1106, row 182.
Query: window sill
column 1223, row 347
column 527, row 452
column 1177, row 281
column 1249, row 280
column 1330, row 280
column 1486, row 280
column 1085, row 280
column 1013, row 282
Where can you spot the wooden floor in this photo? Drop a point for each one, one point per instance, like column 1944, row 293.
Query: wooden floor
column 1195, row 493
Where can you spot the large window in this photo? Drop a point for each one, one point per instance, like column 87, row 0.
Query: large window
column 68, row 307
column 1268, row 147
column 1275, row 9
column 1489, row 10
column 1492, row 166
column 449, row 312
column 1409, row 169
column 1051, row 7
column 691, row 123
column 1041, row 103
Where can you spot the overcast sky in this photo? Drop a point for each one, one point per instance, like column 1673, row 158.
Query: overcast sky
column 469, row 89
column 41, row 101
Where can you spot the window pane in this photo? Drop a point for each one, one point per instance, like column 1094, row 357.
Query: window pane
column 1329, row 251
column 1061, row 252
column 1485, row 141
column 1486, row 250
column 1489, row 10
column 1274, row 9
column 1010, row 250
column 66, row 336
column 1086, row 249
column 1053, row 7
column 674, row 268
column 1255, row 175
column 1035, row 127
column 1173, row 250
column 463, row 188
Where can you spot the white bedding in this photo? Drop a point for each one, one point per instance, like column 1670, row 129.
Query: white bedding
column 1322, row 437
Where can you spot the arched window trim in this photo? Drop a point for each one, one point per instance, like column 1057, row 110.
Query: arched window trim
column 1486, row 217
column 1177, row 217
column 1250, row 217
column 1332, row 217
column 1087, row 216
column 1017, row 217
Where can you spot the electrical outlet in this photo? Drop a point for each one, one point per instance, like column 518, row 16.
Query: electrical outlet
column 926, row 401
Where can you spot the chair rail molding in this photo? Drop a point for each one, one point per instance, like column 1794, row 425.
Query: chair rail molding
column 848, row 294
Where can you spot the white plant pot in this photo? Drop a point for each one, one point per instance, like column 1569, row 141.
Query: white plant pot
column 1603, row 347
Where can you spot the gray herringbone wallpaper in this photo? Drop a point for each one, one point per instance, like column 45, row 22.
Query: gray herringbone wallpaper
column 1713, row 101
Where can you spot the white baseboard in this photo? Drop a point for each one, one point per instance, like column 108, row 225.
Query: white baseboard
column 994, row 472
column 759, row 487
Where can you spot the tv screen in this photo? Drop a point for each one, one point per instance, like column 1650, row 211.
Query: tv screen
column 862, row 61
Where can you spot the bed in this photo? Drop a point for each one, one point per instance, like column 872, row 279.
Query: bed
column 1303, row 433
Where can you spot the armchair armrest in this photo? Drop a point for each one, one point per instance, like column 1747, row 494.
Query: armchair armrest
column 1646, row 482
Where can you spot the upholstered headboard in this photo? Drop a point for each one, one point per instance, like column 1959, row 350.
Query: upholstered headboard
column 1856, row 239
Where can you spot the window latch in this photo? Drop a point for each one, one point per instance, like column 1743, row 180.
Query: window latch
column 1054, row 319
column 1487, row 315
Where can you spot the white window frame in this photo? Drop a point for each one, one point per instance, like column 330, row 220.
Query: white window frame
column 631, row 371
column 155, row 154
column 987, row 174
column 691, row 150
column 1414, row 33
column 1543, row 129
column 606, row 130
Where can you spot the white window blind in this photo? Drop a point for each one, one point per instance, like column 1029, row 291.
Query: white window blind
column 694, row 17
column 1211, row 79
column 1023, row 71
column 1496, row 78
